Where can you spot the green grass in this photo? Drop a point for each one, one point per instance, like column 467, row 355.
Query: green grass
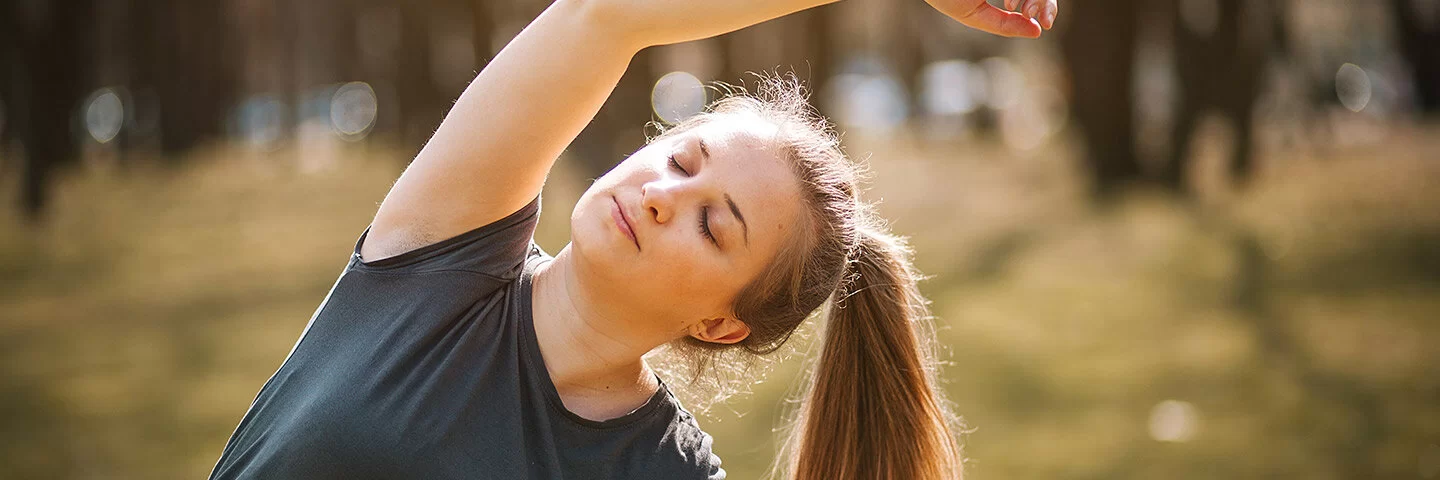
column 1298, row 319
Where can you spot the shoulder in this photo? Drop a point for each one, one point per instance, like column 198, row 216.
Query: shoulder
column 497, row 249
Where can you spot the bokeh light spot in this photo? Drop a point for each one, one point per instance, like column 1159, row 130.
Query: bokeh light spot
column 1006, row 83
column 1352, row 85
column 1031, row 121
column 677, row 96
column 259, row 121
column 1173, row 421
column 353, row 109
column 874, row 103
column 104, row 114
column 946, row 87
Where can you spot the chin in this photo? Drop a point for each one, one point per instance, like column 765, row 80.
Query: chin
column 594, row 240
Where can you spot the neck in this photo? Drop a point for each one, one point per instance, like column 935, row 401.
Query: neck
column 593, row 354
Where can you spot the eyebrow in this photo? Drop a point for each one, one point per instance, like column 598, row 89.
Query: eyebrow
column 705, row 152
column 736, row 210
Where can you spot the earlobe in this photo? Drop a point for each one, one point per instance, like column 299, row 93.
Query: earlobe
column 726, row 331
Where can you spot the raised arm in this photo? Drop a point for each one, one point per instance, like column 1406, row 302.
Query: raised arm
column 492, row 152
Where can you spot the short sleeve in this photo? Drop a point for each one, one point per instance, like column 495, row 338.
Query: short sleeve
column 498, row 249
column 706, row 463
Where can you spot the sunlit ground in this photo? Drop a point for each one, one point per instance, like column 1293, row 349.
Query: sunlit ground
column 1286, row 332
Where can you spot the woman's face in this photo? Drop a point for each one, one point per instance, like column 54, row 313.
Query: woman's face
column 706, row 210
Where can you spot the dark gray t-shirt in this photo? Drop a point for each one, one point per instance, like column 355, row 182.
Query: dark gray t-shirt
column 425, row 365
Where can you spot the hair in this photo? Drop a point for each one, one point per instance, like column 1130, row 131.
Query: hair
column 872, row 408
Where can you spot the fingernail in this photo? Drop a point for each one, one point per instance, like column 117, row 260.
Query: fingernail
column 1050, row 19
column 1030, row 12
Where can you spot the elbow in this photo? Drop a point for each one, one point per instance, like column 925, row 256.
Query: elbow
column 611, row 21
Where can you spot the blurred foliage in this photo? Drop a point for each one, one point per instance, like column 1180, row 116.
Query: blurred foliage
column 166, row 76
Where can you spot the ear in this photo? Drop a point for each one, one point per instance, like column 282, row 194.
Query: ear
column 720, row 330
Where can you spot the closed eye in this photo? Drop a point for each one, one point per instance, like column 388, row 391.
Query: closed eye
column 676, row 165
column 704, row 211
column 705, row 226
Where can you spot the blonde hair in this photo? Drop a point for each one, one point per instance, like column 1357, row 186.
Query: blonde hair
column 872, row 408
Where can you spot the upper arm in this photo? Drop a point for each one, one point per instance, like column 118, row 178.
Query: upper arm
column 492, row 152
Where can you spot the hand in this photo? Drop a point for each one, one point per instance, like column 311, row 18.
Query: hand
column 660, row 22
column 1026, row 18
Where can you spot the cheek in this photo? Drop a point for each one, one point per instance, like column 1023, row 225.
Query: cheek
column 701, row 280
column 621, row 172
column 582, row 219
column 592, row 238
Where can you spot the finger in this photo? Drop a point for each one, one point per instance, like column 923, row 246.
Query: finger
column 982, row 16
column 1011, row 5
column 1047, row 16
column 1032, row 8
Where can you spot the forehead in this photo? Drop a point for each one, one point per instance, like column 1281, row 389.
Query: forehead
column 739, row 131
column 747, row 160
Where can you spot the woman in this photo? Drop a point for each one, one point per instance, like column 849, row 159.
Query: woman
column 452, row 347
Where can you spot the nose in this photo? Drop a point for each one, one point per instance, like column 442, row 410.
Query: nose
column 658, row 198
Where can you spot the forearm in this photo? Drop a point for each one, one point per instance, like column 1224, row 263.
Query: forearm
column 526, row 105
column 494, row 149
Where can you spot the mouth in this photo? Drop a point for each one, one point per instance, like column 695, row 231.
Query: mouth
column 622, row 222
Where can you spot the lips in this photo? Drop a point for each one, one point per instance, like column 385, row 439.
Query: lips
column 622, row 222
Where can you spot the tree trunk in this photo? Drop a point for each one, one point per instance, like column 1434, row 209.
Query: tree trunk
column 48, row 93
column 187, row 68
column 1418, row 42
column 422, row 105
column 1099, row 50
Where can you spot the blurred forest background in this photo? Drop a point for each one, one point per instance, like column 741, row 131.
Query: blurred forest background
column 1171, row 239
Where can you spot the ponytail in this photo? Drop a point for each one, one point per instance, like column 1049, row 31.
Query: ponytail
column 873, row 410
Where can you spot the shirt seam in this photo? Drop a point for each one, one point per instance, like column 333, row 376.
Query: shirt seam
column 443, row 270
column 526, row 214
